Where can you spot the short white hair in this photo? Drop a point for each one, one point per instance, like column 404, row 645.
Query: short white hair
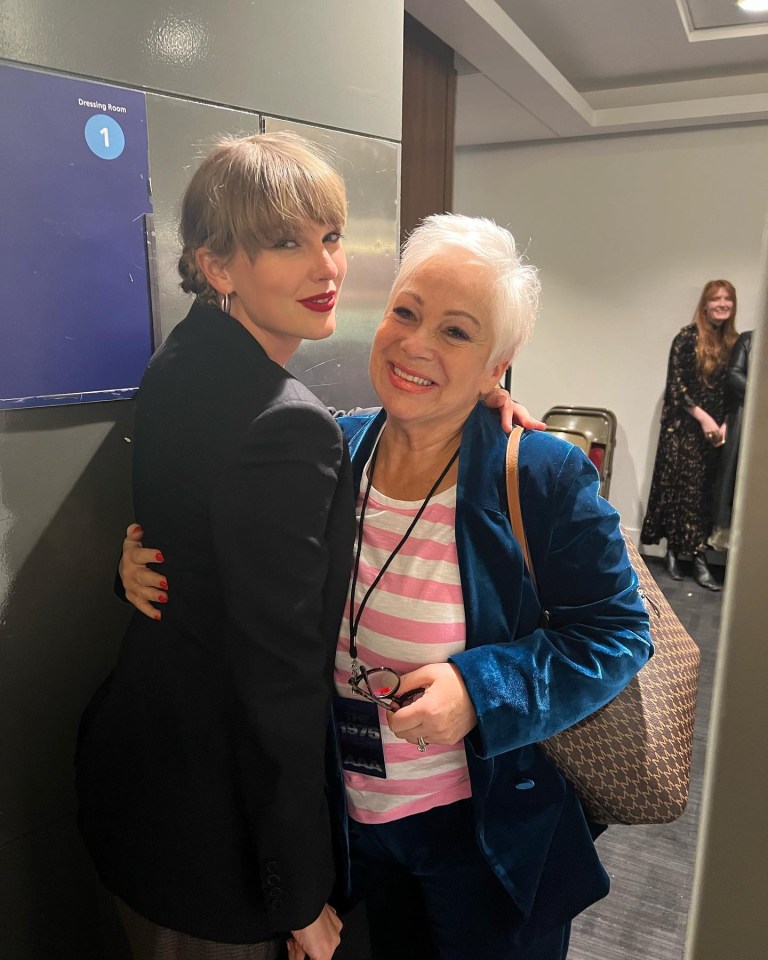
column 516, row 287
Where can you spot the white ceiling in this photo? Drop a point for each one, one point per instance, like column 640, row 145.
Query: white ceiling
column 543, row 69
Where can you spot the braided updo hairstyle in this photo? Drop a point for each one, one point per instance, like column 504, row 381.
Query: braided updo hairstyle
column 247, row 193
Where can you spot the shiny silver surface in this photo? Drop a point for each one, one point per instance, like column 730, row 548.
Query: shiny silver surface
column 337, row 369
column 298, row 58
column 180, row 133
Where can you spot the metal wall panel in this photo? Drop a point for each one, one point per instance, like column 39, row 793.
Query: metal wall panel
column 335, row 63
column 180, row 132
column 337, row 369
column 64, row 494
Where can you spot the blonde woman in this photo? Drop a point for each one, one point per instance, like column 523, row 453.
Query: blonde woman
column 201, row 759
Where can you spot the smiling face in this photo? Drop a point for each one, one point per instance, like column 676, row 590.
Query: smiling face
column 288, row 292
column 719, row 306
column 429, row 360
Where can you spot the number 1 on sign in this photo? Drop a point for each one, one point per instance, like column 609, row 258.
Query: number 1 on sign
column 104, row 136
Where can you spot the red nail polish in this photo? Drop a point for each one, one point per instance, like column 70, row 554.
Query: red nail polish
column 162, row 598
column 158, row 616
column 163, row 585
column 159, row 557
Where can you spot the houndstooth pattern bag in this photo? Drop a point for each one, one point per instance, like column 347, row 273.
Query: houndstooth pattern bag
column 630, row 761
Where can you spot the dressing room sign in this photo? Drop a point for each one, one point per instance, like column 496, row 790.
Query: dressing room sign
column 76, row 317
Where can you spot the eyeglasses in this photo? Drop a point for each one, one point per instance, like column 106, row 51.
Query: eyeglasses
column 380, row 685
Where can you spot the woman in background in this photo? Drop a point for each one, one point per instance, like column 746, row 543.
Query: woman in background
column 692, row 431
column 736, row 386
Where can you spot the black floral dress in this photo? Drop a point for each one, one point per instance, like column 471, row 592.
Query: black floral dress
column 680, row 503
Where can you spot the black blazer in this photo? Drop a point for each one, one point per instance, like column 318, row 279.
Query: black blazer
column 735, row 391
column 201, row 760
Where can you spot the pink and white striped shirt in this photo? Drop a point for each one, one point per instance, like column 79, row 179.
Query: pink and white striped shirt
column 414, row 616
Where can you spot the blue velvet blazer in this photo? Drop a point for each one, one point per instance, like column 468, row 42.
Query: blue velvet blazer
column 526, row 682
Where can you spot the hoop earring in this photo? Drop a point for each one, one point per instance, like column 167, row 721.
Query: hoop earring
column 226, row 302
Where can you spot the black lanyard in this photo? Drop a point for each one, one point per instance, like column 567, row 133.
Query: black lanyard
column 354, row 621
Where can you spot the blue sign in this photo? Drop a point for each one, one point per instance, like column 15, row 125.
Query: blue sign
column 105, row 137
column 76, row 319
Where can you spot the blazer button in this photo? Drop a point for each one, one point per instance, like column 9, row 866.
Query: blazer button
column 271, row 866
column 525, row 785
column 277, row 905
column 273, row 880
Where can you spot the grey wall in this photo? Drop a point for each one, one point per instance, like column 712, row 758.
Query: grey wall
column 626, row 231
column 335, row 63
column 65, row 472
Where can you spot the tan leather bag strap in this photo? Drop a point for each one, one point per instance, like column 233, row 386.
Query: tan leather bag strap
column 513, row 497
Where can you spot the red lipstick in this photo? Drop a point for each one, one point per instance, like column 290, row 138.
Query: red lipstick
column 321, row 303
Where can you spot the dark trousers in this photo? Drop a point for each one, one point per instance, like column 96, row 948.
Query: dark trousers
column 430, row 894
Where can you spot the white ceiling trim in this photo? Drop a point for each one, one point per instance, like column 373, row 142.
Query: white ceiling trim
column 752, row 106
column 485, row 35
column 732, row 32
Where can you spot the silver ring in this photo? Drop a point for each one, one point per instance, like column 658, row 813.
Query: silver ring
column 421, row 744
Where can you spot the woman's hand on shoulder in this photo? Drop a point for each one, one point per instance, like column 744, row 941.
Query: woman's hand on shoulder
column 510, row 411
column 444, row 714
column 319, row 940
column 142, row 586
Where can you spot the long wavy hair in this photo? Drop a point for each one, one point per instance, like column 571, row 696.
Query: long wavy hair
column 713, row 349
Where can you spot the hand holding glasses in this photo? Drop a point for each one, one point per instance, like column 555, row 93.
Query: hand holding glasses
column 380, row 685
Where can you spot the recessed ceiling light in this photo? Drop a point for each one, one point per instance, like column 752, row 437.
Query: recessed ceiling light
column 753, row 6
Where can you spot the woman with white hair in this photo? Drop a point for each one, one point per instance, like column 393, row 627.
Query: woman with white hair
column 465, row 840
